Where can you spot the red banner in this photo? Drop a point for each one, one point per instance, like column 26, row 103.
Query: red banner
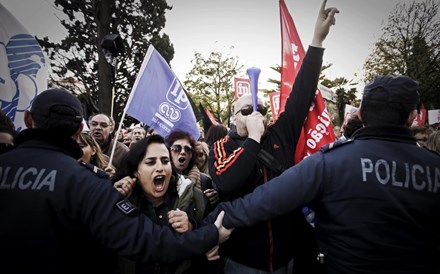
column 292, row 53
column 241, row 87
column 211, row 117
column 420, row 119
column 318, row 129
column 275, row 104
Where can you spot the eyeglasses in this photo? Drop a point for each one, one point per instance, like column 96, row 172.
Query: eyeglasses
column 200, row 154
column 248, row 109
column 178, row 148
column 103, row 125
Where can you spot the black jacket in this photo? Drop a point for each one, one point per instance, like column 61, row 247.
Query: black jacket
column 58, row 216
column 376, row 200
column 236, row 170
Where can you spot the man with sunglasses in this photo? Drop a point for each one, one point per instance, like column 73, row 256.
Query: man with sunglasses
column 253, row 154
column 375, row 196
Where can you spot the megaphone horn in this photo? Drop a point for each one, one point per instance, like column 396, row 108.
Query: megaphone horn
column 254, row 73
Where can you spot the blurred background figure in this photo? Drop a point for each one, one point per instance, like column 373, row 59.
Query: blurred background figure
column 7, row 133
column 433, row 141
column 421, row 134
column 121, row 135
column 215, row 133
column 92, row 153
column 137, row 134
column 202, row 134
column 353, row 124
column 202, row 151
column 127, row 139
column 337, row 130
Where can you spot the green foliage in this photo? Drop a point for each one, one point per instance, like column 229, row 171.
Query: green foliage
column 346, row 94
column 410, row 45
column 209, row 82
column 138, row 22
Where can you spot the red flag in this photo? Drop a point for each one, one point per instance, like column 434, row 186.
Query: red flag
column 211, row 117
column 420, row 119
column 317, row 130
column 292, row 54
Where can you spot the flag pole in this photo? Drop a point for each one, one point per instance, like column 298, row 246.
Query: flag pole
column 144, row 64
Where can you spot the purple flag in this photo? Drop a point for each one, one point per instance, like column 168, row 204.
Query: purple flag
column 159, row 100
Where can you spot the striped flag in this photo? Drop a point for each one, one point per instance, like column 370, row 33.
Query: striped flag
column 23, row 68
column 159, row 100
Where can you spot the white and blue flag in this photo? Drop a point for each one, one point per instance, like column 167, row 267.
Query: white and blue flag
column 23, row 68
column 159, row 100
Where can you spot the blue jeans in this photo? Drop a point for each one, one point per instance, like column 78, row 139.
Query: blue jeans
column 232, row 267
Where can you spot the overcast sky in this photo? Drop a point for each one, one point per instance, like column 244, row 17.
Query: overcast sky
column 252, row 27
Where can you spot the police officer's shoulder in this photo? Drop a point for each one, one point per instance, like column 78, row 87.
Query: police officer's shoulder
column 432, row 151
column 95, row 170
column 335, row 144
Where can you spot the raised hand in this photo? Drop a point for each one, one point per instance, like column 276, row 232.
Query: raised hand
column 326, row 18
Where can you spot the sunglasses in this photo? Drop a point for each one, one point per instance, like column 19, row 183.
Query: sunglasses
column 178, row 148
column 248, row 109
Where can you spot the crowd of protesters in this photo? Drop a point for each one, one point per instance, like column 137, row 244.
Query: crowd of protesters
column 89, row 201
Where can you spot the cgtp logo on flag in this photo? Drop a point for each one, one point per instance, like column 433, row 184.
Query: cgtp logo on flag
column 242, row 87
column 170, row 111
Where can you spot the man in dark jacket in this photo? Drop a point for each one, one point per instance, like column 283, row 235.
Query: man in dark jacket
column 376, row 197
column 237, row 169
column 60, row 216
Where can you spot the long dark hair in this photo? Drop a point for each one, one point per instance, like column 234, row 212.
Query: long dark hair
column 136, row 154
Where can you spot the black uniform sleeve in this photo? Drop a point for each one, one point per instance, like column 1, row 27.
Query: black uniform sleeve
column 291, row 121
column 294, row 188
column 99, row 209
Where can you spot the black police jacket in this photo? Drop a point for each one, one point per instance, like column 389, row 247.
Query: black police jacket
column 58, row 216
column 376, row 200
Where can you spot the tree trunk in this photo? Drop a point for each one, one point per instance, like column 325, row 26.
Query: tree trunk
column 103, row 13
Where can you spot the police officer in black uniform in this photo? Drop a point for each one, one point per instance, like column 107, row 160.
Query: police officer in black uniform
column 59, row 216
column 376, row 197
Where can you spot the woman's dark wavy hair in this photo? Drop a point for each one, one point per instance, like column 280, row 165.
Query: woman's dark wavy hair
column 375, row 112
column 215, row 133
column 136, row 155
